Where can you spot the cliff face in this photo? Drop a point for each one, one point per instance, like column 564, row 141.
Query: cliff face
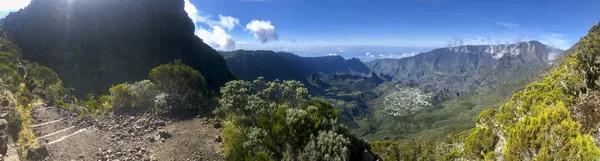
column 468, row 67
column 94, row 44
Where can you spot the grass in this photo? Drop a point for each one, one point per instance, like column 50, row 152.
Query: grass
column 26, row 137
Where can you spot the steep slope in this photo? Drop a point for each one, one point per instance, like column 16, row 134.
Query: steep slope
column 553, row 119
column 93, row 44
column 465, row 68
column 249, row 65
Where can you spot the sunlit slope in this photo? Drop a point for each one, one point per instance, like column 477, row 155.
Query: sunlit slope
column 553, row 119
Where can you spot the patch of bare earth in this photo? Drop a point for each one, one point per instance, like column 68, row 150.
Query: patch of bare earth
column 195, row 139
column 146, row 136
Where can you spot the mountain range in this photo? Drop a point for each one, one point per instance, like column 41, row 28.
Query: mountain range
column 459, row 79
column 470, row 67
column 249, row 65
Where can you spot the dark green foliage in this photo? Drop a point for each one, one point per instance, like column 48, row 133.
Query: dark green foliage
column 14, row 125
column 44, row 82
column 479, row 143
column 387, row 150
column 183, row 81
column 94, row 44
column 278, row 120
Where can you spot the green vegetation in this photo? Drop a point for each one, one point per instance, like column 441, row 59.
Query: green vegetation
column 22, row 84
column 279, row 121
column 120, row 97
column 536, row 123
column 182, row 82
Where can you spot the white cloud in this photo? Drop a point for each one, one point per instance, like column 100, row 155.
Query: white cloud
column 215, row 36
column 228, row 22
column 13, row 5
column 331, row 54
column 341, row 49
column 397, row 56
column 555, row 40
column 368, row 54
column 263, row 30
column 509, row 25
column 218, row 38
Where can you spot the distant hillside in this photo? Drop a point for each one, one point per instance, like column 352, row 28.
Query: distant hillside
column 555, row 118
column 249, row 65
column 465, row 68
column 94, row 44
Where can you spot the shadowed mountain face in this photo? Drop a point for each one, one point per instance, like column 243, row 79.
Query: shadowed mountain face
column 94, row 44
column 470, row 67
column 249, row 65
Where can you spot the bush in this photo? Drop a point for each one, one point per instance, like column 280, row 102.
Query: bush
column 40, row 78
column 387, row 150
column 120, row 97
column 328, row 145
column 279, row 121
column 167, row 102
column 143, row 93
column 180, row 79
column 14, row 125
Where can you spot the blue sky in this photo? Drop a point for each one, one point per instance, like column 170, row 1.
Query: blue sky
column 384, row 28
column 327, row 25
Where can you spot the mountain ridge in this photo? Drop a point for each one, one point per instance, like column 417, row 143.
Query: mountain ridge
column 466, row 67
column 251, row 64
column 84, row 43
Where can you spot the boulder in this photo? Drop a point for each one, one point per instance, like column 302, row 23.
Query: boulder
column 218, row 139
column 39, row 152
column 3, row 144
column 3, row 124
column 217, row 124
column 162, row 134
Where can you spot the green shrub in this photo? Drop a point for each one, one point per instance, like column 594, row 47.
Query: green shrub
column 168, row 101
column 180, row 79
column 39, row 79
column 120, row 97
column 14, row 125
column 387, row 150
column 279, row 121
column 143, row 93
column 479, row 143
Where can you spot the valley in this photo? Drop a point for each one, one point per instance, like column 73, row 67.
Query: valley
column 459, row 82
column 185, row 80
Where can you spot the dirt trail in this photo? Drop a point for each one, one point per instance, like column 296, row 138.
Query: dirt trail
column 124, row 137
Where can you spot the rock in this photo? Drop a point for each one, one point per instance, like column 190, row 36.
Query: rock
column 4, row 115
column 160, row 123
column 163, row 134
column 217, row 125
column 218, row 139
column 39, row 152
column 5, row 103
column 3, row 124
column 3, row 144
